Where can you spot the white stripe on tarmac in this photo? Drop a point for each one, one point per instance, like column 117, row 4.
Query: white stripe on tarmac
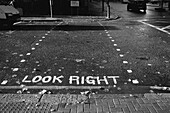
column 17, row 23
column 166, row 27
column 154, row 27
column 51, row 87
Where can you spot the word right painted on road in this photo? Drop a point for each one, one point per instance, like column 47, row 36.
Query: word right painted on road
column 72, row 80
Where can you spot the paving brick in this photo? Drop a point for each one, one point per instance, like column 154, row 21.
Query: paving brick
column 79, row 108
column 165, row 95
column 152, row 109
column 136, row 105
column 113, row 109
column 142, row 108
column 105, row 107
column 139, row 100
column 98, row 102
column 54, row 99
column 145, row 110
column 164, row 100
column 145, row 100
column 163, row 111
column 20, row 98
column 137, row 112
column 73, row 109
column 80, row 98
column 99, row 109
column 151, row 96
column 116, row 102
column 62, row 108
column 110, row 103
column 126, row 110
column 156, row 106
column 131, row 107
column 86, row 107
column 146, row 105
column 163, row 105
column 93, row 108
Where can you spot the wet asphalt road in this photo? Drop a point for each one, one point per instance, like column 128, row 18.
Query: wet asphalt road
column 123, row 55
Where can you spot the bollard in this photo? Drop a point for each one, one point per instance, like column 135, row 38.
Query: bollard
column 108, row 11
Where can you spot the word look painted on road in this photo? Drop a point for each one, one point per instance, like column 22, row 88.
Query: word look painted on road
column 76, row 80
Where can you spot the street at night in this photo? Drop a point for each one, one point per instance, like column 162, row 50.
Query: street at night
column 127, row 54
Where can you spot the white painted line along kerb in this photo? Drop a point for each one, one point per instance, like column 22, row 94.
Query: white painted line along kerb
column 17, row 23
column 154, row 27
column 167, row 27
column 52, row 87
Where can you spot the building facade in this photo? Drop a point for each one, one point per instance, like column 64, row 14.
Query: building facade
column 59, row 7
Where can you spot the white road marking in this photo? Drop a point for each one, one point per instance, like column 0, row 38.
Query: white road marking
column 17, row 23
column 166, row 27
column 28, row 54
column 37, row 44
column 33, row 48
column 117, row 49
column 129, row 71
column 125, row 62
column 52, row 87
column 115, row 44
column 23, row 60
column 154, row 27
column 121, row 55
column 108, row 35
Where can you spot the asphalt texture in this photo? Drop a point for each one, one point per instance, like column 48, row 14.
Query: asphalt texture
column 84, row 53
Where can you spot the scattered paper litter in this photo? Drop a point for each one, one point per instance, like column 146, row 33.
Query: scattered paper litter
column 43, row 91
column 4, row 82
column 135, row 81
column 14, row 75
column 21, row 55
column 33, row 48
column 115, row 44
column 117, row 49
column 28, row 54
column 23, row 60
column 129, row 71
column 160, row 88
column 80, row 60
column 121, row 55
column 125, row 62
column 37, row 62
column 149, row 64
column 15, row 69
column 14, row 53
column 37, row 44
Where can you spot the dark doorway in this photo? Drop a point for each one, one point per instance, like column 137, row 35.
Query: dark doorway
column 61, row 7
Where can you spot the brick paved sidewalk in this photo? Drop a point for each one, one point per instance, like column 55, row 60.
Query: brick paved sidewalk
column 93, row 103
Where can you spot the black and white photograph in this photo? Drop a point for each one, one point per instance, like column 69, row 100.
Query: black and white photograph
column 84, row 56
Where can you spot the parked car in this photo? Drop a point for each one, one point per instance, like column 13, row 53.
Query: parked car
column 8, row 14
column 124, row 1
column 137, row 5
column 154, row 1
